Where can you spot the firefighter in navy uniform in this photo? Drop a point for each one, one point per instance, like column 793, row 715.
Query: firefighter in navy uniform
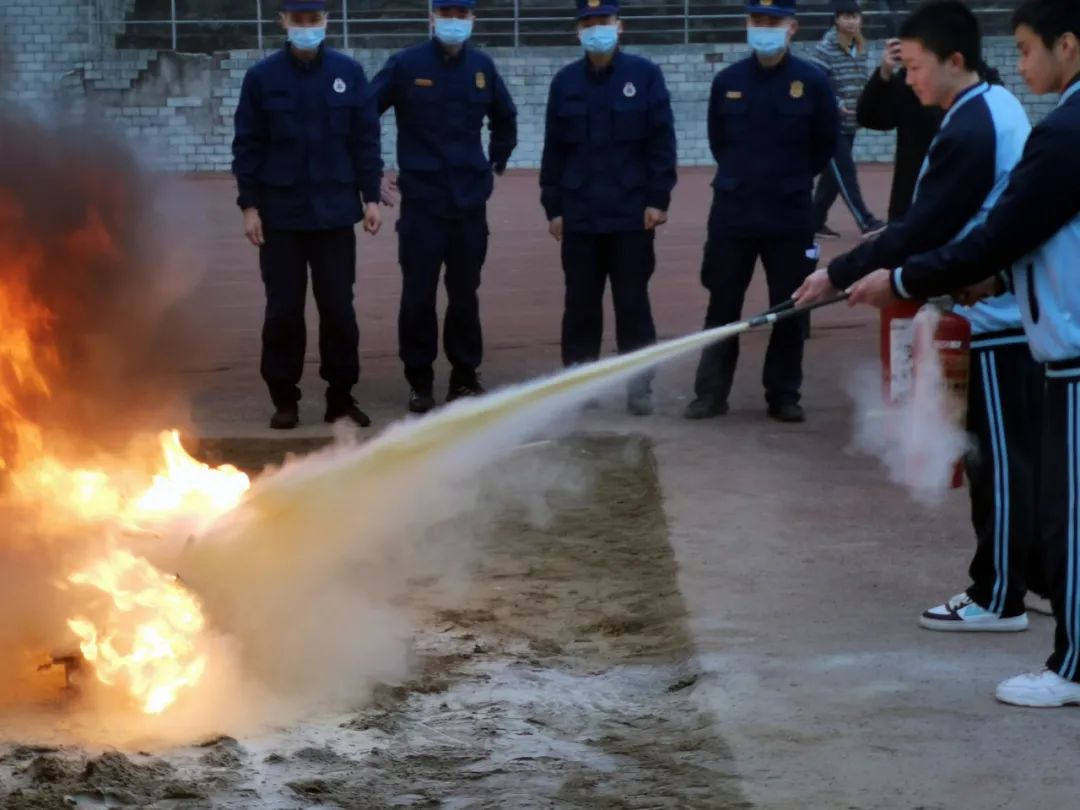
column 606, row 177
column 441, row 92
column 308, row 167
column 773, row 127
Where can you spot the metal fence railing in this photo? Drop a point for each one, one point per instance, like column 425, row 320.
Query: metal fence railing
column 215, row 25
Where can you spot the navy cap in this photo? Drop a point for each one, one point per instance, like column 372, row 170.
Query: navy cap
column 453, row 3
column 597, row 8
column 774, row 8
column 304, row 5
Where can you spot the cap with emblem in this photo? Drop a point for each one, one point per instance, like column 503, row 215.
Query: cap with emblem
column 453, row 3
column 774, row 8
column 597, row 8
column 303, row 5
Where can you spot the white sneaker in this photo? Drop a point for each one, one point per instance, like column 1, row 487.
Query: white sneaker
column 962, row 615
column 1041, row 690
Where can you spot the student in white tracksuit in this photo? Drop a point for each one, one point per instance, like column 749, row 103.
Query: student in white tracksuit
column 1032, row 237
column 965, row 171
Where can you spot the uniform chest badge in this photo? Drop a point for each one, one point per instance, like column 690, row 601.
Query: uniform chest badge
column 629, row 90
column 735, row 94
column 797, row 89
column 481, row 80
column 424, row 83
column 594, row 4
column 766, row 2
column 339, row 86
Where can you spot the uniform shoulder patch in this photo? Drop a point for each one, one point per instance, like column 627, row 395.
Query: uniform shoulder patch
column 339, row 85
column 629, row 90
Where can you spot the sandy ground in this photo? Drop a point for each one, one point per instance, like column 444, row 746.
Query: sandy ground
column 565, row 678
column 730, row 624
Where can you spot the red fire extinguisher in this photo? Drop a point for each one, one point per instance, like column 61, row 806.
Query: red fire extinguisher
column 900, row 357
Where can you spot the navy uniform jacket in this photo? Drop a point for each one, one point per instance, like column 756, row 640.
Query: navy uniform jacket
column 307, row 142
column 440, row 103
column 1034, row 230
column 771, row 131
column 609, row 146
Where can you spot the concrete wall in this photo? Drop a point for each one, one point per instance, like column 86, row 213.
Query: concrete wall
column 178, row 108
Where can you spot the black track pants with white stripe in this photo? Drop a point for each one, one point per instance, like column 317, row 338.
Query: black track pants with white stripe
column 1059, row 511
column 1005, row 405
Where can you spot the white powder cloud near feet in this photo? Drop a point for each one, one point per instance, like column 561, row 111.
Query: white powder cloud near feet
column 920, row 437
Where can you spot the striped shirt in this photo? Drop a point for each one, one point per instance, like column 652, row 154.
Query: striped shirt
column 847, row 71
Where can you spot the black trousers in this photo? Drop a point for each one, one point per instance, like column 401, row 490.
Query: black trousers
column 1059, row 511
column 428, row 240
column 1005, row 401
column 726, row 270
column 589, row 260
column 284, row 259
column 841, row 178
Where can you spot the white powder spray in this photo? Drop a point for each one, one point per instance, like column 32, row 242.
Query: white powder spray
column 918, row 438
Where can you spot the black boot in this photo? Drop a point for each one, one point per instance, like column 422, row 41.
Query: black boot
column 705, row 408
column 285, row 417
column 791, row 412
column 464, row 387
column 420, row 401
column 347, row 410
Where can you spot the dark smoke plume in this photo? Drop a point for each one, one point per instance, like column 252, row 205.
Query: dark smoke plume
column 73, row 200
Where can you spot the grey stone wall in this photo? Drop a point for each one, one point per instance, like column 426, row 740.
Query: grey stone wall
column 177, row 108
column 43, row 44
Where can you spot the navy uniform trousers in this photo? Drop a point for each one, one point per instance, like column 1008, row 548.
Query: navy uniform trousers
column 1059, row 511
column 726, row 271
column 428, row 240
column 1005, row 402
column 284, row 259
column 589, row 260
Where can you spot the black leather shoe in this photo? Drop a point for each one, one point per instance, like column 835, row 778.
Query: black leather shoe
column 285, row 418
column 349, row 411
column 420, row 402
column 705, row 408
column 787, row 412
column 468, row 388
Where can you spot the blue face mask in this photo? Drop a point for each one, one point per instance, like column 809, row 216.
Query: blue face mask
column 450, row 31
column 767, row 41
column 599, row 38
column 307, row 39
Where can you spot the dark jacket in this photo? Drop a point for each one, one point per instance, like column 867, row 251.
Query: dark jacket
column 888, row 105
column 1033, row 230
column 609, row 145
column 968, row 163
column 771, row 131
column 307, row 141
column 440, row 102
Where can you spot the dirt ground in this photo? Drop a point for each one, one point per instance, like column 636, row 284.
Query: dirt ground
column 744, row 628
column 563, row 680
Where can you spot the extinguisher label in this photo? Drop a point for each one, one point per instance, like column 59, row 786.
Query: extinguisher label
column 901, row 358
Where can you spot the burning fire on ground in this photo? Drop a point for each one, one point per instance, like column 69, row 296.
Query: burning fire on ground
column 67, row 282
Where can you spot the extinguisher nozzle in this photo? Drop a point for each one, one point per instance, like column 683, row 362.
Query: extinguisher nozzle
column 789, row 309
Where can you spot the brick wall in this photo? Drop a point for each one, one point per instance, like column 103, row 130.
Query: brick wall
column 44, row 43
column 177, row 108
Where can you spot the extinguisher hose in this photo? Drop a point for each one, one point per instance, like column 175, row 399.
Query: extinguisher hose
column 788, row 309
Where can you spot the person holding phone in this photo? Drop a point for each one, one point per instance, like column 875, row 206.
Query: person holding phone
column 841, row 54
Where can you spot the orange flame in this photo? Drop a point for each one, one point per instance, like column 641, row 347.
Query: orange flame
column 147, row 636
column 150, row 642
